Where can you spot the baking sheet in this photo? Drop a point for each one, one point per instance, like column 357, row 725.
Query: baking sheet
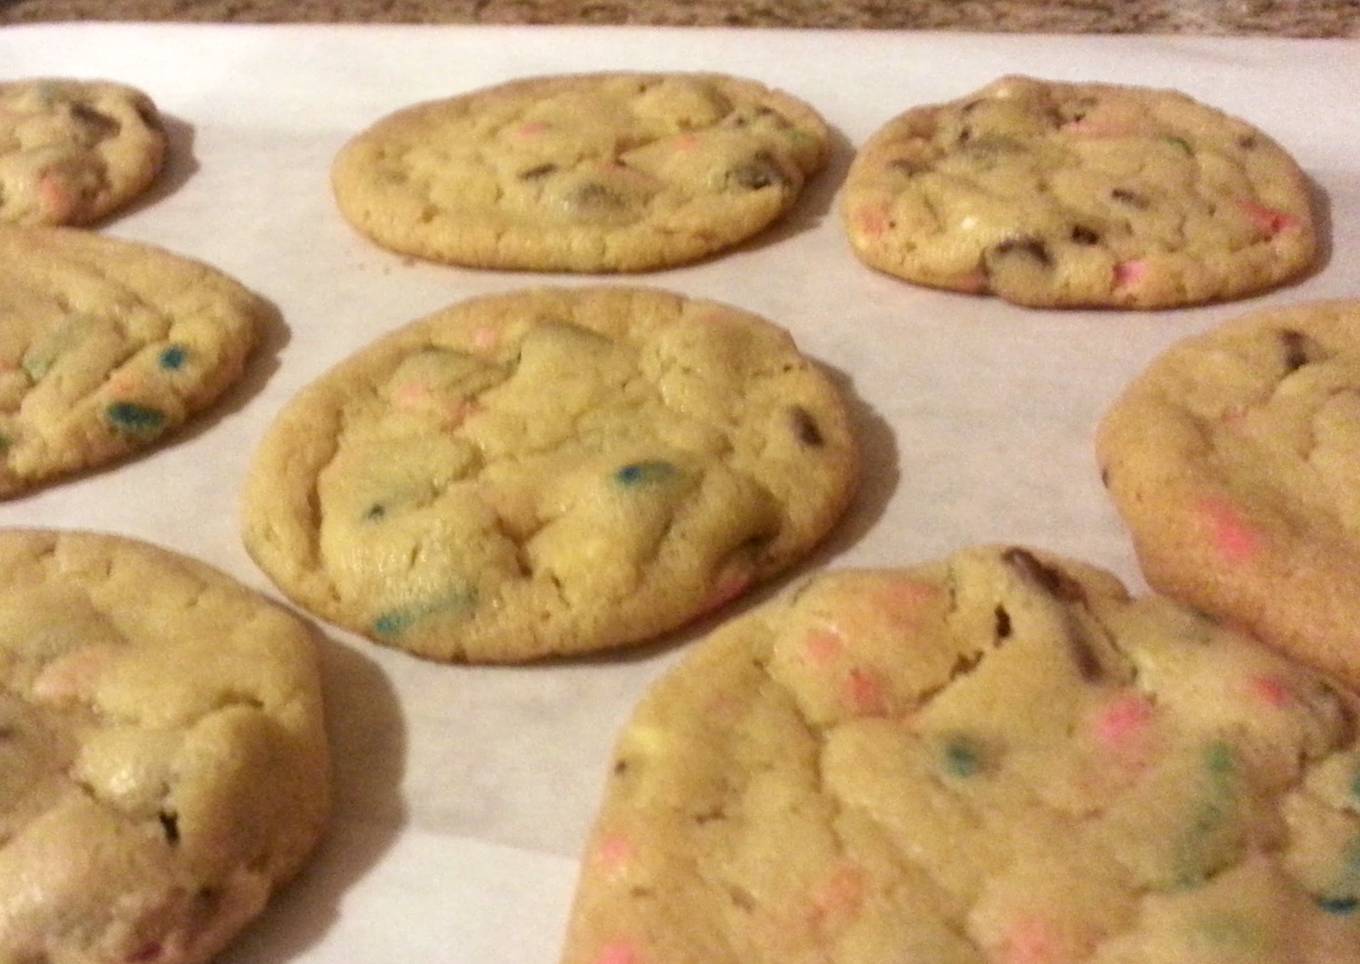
column 463, row 795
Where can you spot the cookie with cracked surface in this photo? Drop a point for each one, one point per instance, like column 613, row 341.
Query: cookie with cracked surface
column 1233, row 460
column 547, row 472
column 996, row 758
column 1063, row 195
column 163, row 765
column 106, row 347
column 591, row 172
column 72, row 151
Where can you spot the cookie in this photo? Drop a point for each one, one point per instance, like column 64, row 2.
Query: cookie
column 163, row 765
column 106, row 347
column 1063, row 195
column 1233, row 460
column 996, row 758
column 547, row 472
column 595, row 172
column 72, row 151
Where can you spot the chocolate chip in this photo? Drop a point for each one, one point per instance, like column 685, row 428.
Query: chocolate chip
column 1132, row 198
column 104, row 125
column 1055, row 582
column 1299, row 350
column 762, row 170
column 1088, row 664
column 1084, row 235
column 1029, row 246
column 1247, row 142
column 593, row 196
column 806, row 428
column 1003, row 623
column 170, row 824
column 537, row 173
column 620, row 767
column 1105, row 477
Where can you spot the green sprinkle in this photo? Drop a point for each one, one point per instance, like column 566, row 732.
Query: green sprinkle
column 1180, row 142
column 173, row 358
column 136, row 419
column 1338, row 905
column 1218, row 757
column 642, row 473
column 962, row 758
column 5, row 443
column 394, row 623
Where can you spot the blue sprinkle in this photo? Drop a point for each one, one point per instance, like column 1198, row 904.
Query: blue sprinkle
column 962, row 759
column 1338, row 905
column 394, row 622
column 644, row 472
column 173, row 358
column 135, row 419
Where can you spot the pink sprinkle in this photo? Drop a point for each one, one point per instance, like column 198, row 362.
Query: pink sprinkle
column 1122, row 720
column 1029, row 941
column 1271, row 691
column 532, row 129
column 823, row 646
column 686, row 143
column 411, row 395
column 729, row 587
column 864, row 693
column 148, row 953
column 1234, row 416
column 973, row 283
column 615, row 853
column 73, row 676
column 1269, row 221
column 485, row 338
column 872, row 221
column 1235, row 540
column 839, row 896
column 55, row 195
column 619, row 952
column 1128, row 273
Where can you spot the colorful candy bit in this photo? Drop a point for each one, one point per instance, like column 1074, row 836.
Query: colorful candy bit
column 1235, row 540
column 1122, row 721
column 838, row 897
column 485, row 338
column 686, row 143
column 1029, row 940
column 1269, row 221
column 729, row 586
column 1179, row 142
column 640, row 473
column 394, row 622
column 614, row 854
column 1129, row 273
column 411, row 396
column 56, row 196
column 903, row 599
column 134, row 419
column 531, row 130
column 1271, row 691
column 173, row 358
column 148, row 952
column 973, row 282
column 962, row 757
column 1340, row 906
column 864, row 693
column 1355, row 785
column 872, row 221
column 619, row 952
column 823, row 647
column 5, row 443
column 74, row 675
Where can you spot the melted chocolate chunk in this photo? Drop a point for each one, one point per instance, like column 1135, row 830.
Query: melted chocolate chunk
column 1299, row 350
column 1132, row 198
column 104, row 125
column 806, row 428
column 537, row 173
column 762, row 170
column 1055, row 582
column 1084, row 235
column 170, row 824
column 1029, row 246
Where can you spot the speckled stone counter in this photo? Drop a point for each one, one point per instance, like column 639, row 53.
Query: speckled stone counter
column 1283, row 18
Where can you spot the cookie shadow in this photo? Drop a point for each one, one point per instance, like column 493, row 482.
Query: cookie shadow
column 367, row 734
column 878, row 480
column 180, row 165
column 1321, row 203
column 263, row 362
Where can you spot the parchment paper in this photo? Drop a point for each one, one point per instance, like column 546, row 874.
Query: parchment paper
column 464, row 794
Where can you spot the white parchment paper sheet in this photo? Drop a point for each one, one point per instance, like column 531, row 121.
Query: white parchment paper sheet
column 464, row 794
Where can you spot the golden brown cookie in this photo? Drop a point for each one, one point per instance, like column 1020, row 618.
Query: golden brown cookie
column 590, row 172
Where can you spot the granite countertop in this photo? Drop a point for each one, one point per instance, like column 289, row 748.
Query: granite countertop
column 1287, row 18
